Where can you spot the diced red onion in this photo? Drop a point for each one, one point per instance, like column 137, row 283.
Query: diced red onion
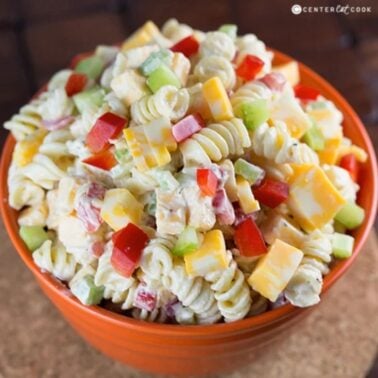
column 57, row 124
column 274, row 81
column 223, row 208
column 145, row 298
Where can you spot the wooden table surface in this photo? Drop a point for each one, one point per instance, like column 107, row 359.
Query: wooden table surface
column 38, row 37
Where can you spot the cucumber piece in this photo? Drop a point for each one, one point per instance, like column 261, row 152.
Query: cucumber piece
column 86, row 291
column 254, row 113
column 230, row 29
column 351, row 215
column 89, row 100
column 33, row 236
column 250, row 172
column 314, row 138
column 187, row 242
column 154, row 61
column 92, row 67
column 162, row 76
column 342, row 245
column 122, row 155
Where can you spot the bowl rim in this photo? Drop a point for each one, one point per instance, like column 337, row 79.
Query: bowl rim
column 172, row 330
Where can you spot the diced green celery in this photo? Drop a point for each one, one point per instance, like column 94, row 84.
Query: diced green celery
column 162, row 76
column 187, row 242
column 314, row 138
column 166, row 180
column 254, row 113
column 250, row 172
column 89, row 100
column 342, row 245
column 86, row 291
column 154, row 61
column 230, row 29
column 351, row 215
column 122, row 155
column 92, row 67
column 33, row 236
column 321, row 104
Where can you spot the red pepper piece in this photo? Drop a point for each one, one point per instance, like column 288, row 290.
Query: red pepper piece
column 75, row 83
column 128, row 245
column 249, row 67
column 271, row 192
column 305, row 93
column 249, row 239
column 207, row 181
column 188, row 46
column 104, row 160
column 350, row 163
column 106, row 127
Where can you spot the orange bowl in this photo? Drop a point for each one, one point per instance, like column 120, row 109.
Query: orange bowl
column 187, row 350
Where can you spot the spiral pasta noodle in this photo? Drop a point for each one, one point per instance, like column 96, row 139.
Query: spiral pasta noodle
column 211, row 66
column 53, row 258
column 275, row 143
column 216, row 142
column 167, row 101
column 176, row 31
column 118, row 289
column 34, row 215
column 259, row 304
column 157, row 315
column 217, row 44
column 231, row 291
column 194, row 293
column 54, row 144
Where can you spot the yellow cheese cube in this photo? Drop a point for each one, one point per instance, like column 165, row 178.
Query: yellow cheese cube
column 247, row 201
column 277, row 226
column 210, row 257
column 275, row 269
column 129, row 86
column 216, row 97
column 25, row 150
column 330, row 152
column 139, row 148
column 313, row 199
column 290, row 71
column 120, row 208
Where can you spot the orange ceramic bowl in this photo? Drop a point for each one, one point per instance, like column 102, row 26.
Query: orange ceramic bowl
column 188, row 350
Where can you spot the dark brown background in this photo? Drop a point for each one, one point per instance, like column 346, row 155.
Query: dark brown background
column 38, row 37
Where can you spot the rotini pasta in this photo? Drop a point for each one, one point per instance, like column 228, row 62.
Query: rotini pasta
column 176, row 31
column 217, row 44
column 167, row 101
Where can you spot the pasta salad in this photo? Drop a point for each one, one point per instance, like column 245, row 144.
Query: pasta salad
column 183, row 178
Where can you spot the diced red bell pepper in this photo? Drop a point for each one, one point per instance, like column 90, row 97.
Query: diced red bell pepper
column 79, row 57
column 350, row 163
column 249, row 240
column 104, row 160
column 274, row 81
column 187, row 127
column 249, row 67
column 188, row 46
column 305, row 93
column 223, row 208
column 271, row 192
column 128, row 245
column 207, row 181
column 75, row 83
column 106, row 127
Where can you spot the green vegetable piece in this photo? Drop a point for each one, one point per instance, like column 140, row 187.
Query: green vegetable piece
column 187, row 242
column 154, row 61
column 230, row 29
column 342, row 245
column 351, row 215
column 314, row 138
column 89, row 100
column 320, row 104
column 86, row 291
column 92, row 67
column 162, row 76
column 122, row 155
column 151, row 205
column 33, row 236
column 254, row 113
column 250, row 172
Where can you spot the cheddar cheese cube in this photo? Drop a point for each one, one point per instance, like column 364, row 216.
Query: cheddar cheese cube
column 247, row 201
column 26, row 149
column 277, row 226
column 313, row 199
column 210, row 257
column 290, row 71
column 216, row 97
column 120, row 208
column 275, row 269
column 330, row 152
